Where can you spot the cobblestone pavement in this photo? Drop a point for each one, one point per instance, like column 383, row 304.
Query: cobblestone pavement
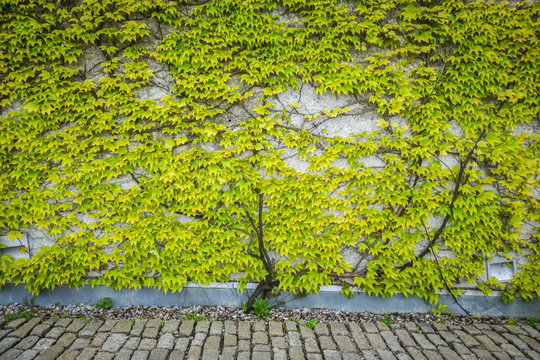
column 143, row 339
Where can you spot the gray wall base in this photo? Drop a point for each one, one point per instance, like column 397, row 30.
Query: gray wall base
column 228, row 295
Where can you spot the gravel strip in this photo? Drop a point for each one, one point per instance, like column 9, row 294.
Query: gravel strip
column 236, row 313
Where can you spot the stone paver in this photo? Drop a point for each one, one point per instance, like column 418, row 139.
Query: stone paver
column 155, row 339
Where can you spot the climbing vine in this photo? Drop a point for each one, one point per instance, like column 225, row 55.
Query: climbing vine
column 157, row 143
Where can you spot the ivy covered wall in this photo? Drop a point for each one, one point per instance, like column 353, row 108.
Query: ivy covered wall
column 389, row 145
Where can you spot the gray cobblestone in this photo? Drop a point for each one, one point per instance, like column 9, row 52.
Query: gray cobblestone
column 171, row 326
column 306, row 332
column 11, row 354
column 230, row 327
column 392, row 342
column 124, row 355
column 436, row 340
column 26, row 343
column 194, row 353
column 259, row 337
column 55, row 332
column 512, row 350
column 533, row 344
column 517, row 342
column 99, row 339
column 482, row 354
column 202, row 327
column 154, row 323
column 228, row 353
column 296, row 353
column 332, row 355
column 471, row 330
column 405, row 338
column 279, row 342
column 515, row 330
column 158, row 354
column 310, row 356
column 244, row 330
column 70, row 355
column 487, row 343
column 338, row 328
column 461, row 349
column 275, row 328
column 198, row 339
column 108, row 325
column 501, row 356
column 415, row 353
column 448, row 353
column 532, row 331
column 244, row 345
column 91, row 328
column 114, row 342
column 216, row 328
column 385, row 354
column 230, row 340
column 87, row 354
column 369, row 327
column 244, row 355
column 76, row 325
column 321, row 329
column 369, row 355
column 291, row 326
column 186, row 328
column 259, row 340
column 29, row 354
column 123, row 326
column 403, row 356
column 44, row 344
column 467, row 339
column 294, row 338
column 181, row 344
column 311, row 346
column 40, row 329
column 147, row 344
column 150, row 332
column 25, row 329
column 344, row 343
column 138, row 327
column 166, row 341
column 15, row 323
column 212, row 342
column 132, row 343
column 210, row 354
column 376, row 341
column 432, row 355
column 80, row 343
column 327, row 343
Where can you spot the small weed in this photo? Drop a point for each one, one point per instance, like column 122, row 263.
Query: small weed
column 55, row 318
column 310, row 324
column 441, row 321
column 387, row 320
column 161, row 324
column 24, row 314
column 65, row 315
column 261, row 307
column 104, row 304
column 534, row 321
column 196, row 317
column 28, row 303
column 511, row 322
